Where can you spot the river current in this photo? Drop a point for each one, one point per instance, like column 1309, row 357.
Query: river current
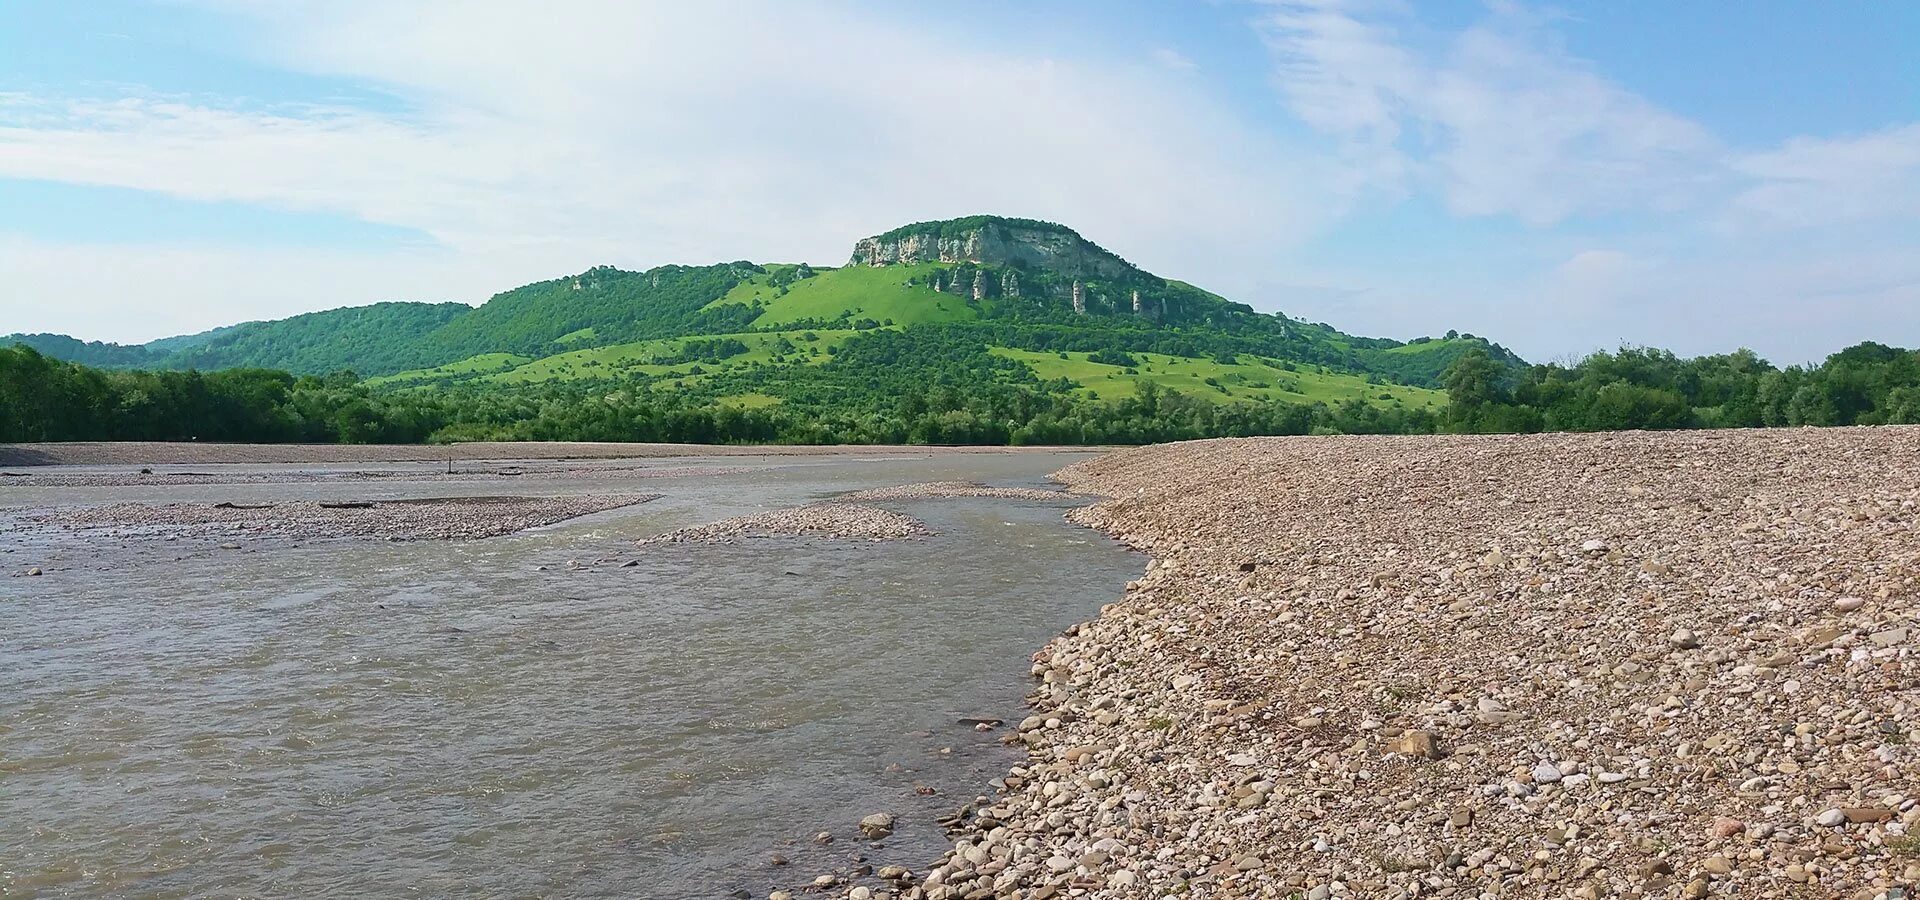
column 200, row 718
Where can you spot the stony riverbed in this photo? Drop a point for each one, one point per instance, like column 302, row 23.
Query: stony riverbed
column 1626, row 665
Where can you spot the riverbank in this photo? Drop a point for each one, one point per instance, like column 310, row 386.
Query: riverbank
column 155, row 453
column 1527, row 666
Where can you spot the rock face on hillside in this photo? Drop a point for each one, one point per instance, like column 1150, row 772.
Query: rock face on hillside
column 993, row 241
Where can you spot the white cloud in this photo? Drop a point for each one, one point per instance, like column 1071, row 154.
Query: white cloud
column 573, row 134
column 1498, row 120
column 135, row 292
column 1809, row 182
column 1499, row 123
column 534, row 140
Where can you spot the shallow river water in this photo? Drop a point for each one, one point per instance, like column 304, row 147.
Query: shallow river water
column 487, row 718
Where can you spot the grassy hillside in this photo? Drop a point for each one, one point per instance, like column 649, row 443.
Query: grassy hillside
column 660, row 358
column 763, row 360
column 471, row 367
column 884, row 295
column 1421, row 360
column 1247, row 378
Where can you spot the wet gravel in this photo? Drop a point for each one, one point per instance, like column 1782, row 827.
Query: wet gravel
column 839, row 521
column 433, row 518
column 936, row 490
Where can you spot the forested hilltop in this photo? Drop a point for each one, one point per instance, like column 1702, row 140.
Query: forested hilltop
column 977, row 330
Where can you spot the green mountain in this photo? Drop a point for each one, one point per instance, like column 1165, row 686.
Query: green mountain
column 973, row 300
column 89, row 353
column 370, row 338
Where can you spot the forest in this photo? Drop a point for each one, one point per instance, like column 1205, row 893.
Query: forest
column 892, row 389
column 1642, row 388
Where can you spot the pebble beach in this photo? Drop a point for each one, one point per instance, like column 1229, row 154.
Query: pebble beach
column 1579, row 666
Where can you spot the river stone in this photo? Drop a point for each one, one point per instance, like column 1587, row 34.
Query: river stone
column 877, row 826
column 1417, row 742
column 1858, row 814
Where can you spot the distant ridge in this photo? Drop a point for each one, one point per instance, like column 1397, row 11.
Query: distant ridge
column 1023, row 286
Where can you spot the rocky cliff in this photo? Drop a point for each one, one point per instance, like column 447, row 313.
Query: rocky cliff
column 994, row 241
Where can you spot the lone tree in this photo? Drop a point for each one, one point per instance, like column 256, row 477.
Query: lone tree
column 1473, row 383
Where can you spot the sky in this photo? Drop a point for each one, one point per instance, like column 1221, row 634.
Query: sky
column 1558, row 178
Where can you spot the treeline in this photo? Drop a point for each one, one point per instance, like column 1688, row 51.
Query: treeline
column 896, row 390
column 931, row 400
column 998, row 415
column 44, row 399
column 1640, row 388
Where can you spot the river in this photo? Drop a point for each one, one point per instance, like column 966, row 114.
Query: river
column 204, row 718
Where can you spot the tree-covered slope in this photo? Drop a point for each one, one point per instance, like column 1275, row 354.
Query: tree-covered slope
column 99, row 354
column 373, row 338
column 617, row 305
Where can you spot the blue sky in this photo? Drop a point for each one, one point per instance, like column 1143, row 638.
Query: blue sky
column 1557, row 177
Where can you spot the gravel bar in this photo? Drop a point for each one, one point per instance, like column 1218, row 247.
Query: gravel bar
column 440, row 518
column 935, row 490
column 839, row 521
column 1565, row 666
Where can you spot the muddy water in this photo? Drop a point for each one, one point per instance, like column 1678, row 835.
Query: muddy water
column 486, row 719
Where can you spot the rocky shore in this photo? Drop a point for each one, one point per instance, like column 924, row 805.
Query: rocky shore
column 1581, row 666
column 839, row 521
column 436, row 518
column 935, row 490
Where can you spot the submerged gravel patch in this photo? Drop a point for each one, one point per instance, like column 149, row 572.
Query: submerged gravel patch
column 933, row 490
column 1615, row 665
column 437, row 518
column 32, row 478
column 841, row 521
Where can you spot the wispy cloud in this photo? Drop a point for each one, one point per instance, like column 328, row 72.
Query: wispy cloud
column 1173, row 59
column 1497, row 120
column 1811, row 182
